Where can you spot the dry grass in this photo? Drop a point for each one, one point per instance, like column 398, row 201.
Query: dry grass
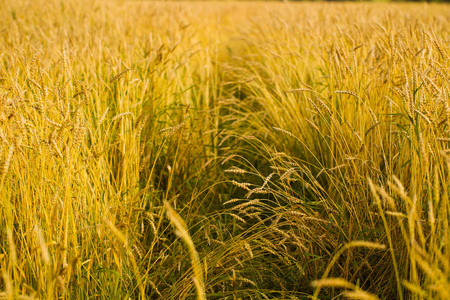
column 299, row 150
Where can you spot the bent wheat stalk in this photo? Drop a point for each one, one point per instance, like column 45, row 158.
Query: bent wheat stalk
column 182, row 232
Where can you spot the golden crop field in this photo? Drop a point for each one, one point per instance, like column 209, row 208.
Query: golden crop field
column 224, row 150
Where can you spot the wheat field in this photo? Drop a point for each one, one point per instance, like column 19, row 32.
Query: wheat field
column 224, row 150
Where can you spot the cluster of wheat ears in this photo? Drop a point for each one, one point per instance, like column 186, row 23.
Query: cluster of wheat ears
column 182, row 150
